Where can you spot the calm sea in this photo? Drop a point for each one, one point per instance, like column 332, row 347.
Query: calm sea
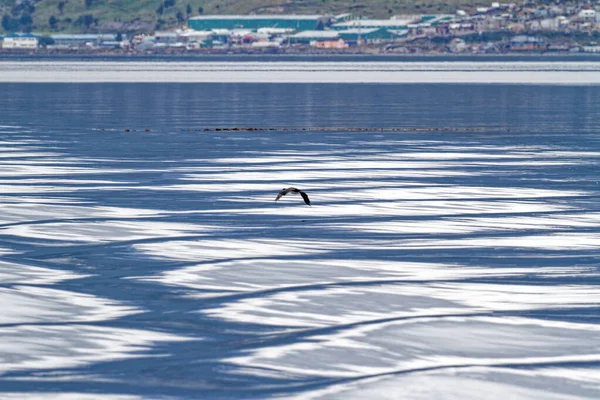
column 452, row 249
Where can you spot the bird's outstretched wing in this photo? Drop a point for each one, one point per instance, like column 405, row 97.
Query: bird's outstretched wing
column 280, row 195
column 305, row 197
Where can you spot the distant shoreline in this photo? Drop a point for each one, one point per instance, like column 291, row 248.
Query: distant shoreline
column 282, row 55
column 302, row 70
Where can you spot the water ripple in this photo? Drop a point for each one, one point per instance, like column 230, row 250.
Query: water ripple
column 158, row 265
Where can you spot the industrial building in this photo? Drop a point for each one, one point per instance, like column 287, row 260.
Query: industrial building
column 366, row 35
column 295, row 22
column 351, row 36
column 20, row 41
column 375, row 24
column 90, row 39
column 307, row 37
column 396, row 23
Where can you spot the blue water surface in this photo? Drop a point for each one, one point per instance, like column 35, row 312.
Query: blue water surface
column 451, row 249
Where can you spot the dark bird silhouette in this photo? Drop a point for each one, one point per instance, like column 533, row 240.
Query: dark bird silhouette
column 293, row 190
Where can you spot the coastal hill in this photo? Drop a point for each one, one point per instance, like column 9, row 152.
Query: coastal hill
column 146, row 15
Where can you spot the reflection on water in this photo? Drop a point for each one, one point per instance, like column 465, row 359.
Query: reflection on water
column 433, row 264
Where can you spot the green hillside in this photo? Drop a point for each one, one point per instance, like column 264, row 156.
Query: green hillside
column 147, row 15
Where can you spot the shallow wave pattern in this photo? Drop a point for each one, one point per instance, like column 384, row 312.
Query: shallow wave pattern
column 430, row 265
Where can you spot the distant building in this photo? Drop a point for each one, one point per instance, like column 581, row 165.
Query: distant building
column 559, row 47
column 458, row 45
column 376, row 23
column 398, row 22
column 182, row 38
column 167, row 37
column 263, row 44
column 296, row 22
column 275, row 31
column 190, row 35
column 86, row 40
column 527, row 43
column 344, row 17
column 145, row 43
column 20, row 41
column 307, row 37
column 349, row 36
column 588, row 15
column 332, row 44
column 358, row 36
column 591, row 49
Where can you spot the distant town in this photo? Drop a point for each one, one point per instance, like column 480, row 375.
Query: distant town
column 500, row 28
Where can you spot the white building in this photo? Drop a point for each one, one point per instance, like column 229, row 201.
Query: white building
column 274, row 31
column 264, row 44
column 314, row 36
column 588, row 15
column 397, row 22
column 190, row 35
column 25, row 41
column 591, row 49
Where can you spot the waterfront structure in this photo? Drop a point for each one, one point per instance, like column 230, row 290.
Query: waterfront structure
column 87, row 40
column 348, row 36
column 587, row 14
column 401, row 22
column 20, row 41
column 264, row 44
column 189, row 35
column 344, row 17
column 332, row 44
column 375, row 24
column 296, row 22
column 527, row 43
column 274, row 31
column 307, row 37
column 590, row 49
column 75, row 40
column 167, row 37
column 355, row 36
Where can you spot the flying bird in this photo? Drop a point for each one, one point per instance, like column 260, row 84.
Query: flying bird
column 293, row 190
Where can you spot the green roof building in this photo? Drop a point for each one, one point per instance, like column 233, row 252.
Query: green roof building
column 374, row 34
column 305, row 37
column 373, row 24
column 398, row 23
column 296, row 22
